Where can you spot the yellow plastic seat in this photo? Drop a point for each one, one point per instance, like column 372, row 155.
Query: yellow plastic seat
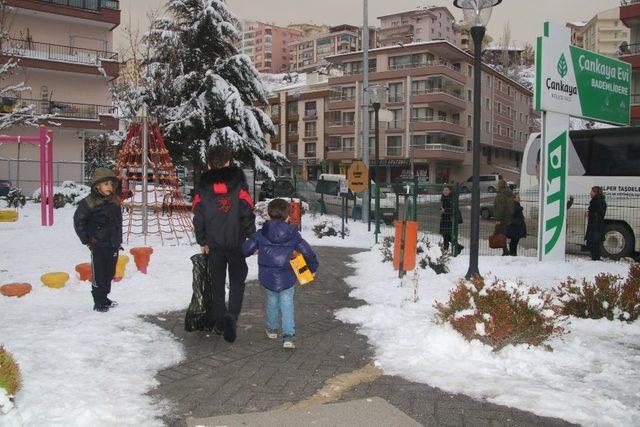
column 55, row 280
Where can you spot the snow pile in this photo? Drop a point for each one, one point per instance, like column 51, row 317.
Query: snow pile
column 286, row 81
column 6, row 405
column 72, row 193
column 589, row 378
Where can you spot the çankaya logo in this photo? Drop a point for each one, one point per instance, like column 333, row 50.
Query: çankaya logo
column 556, row 187
column 560, row 86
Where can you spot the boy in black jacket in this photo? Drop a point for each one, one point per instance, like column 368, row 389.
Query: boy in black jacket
column 98, row 224
column 223, row 219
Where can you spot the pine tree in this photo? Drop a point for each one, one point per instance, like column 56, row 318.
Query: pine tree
column 201, row 89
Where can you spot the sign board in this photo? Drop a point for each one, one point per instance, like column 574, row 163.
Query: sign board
column 358, row 177
column 344, row 186
column 580, row 83
column 570, row 82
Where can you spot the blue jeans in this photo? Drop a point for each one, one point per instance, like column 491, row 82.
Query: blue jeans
column 281, row 302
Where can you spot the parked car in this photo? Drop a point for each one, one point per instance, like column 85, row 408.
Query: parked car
column 488, row 184
column 328, row 189
column 5, row 186
column 282, row 186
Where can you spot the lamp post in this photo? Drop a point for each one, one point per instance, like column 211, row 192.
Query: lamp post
column 476, row 14
column 376, row 93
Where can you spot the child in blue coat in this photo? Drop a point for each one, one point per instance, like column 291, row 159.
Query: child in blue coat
column 275, row 243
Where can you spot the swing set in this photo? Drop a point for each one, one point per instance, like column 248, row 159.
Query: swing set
column 45, row 141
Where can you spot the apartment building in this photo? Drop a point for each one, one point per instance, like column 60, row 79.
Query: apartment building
column 310, row 52
column 429, row 92
column 65, row 54
column 268, row 45
column 605, row 32
column 422, row 24
column 630, row 16
column 577, row 33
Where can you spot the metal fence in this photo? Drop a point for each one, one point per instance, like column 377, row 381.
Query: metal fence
column 25, row 173
column 622, row 221
column 55, row 52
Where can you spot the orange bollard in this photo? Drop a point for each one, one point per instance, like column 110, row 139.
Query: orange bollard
column 295, row 215
column 84, row 271
column 141, row 257
column 15, row 289
column 405, row 260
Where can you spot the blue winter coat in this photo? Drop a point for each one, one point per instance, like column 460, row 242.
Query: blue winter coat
column 275, row 242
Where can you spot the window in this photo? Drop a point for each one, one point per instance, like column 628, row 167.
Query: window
column 348, row 118
column 396, row 123
column 310, row 130
column 310, row 149
column 509, row 111
column 488, row 127
column 419, row 87
column 607, row 155
column 469, row 145
column 421, row 114
column 499, row 109
column 347, row 143
column 509, row 90
column 469, row 95
column 275, row 110
column 395, row 92
column 488, row 104
column 292, row 108
column 470, row 70
column 292, row 149
column 499, row 129
column 310, row 109
column 349, row 93
column 489, row 81
column 394, row 145
column 292, row 127
column 469, row 121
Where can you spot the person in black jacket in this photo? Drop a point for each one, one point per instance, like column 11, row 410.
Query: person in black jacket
column 223, row 219
column 595, row 223
column 447, row 216
column 98, row 224
column 517, row 228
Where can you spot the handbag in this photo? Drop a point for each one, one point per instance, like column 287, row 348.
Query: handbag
column 497, row 241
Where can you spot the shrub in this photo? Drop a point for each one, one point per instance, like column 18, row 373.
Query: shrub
column 69, row 192
column 15, row 198
column 328, row 228
column 609, row 296
column 386, row 248
column 500, row 314
column 10, row 379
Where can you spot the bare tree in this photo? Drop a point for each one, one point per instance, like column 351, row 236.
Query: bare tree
column 505, row 59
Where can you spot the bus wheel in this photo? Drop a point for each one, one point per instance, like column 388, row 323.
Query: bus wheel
column 618, row 241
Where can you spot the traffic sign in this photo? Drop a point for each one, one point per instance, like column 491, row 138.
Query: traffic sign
column 358, row 176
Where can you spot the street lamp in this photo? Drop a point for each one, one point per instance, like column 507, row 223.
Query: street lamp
column 476, row 14
column 376, row 93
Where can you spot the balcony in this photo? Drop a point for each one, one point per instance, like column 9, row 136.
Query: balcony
column 629, row 11
column 437, row 124
column 439, row 151
column 342, row 102
column 439, row 98
column 340, row 152
column 105, row 11
column 70, row 114
column 394, row 151
column 61, row 58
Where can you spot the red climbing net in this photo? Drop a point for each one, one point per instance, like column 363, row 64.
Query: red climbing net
column 168, row 215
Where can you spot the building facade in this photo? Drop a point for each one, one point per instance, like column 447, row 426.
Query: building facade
column 268, row 45
column 420, row 25
column 310, row 52
column 430, row 98
column 630, row 16
column 577, row 33
column 605, row 32
column 65, row 54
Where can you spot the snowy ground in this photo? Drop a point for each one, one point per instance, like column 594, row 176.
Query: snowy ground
column 590, row 378
column 85, row 368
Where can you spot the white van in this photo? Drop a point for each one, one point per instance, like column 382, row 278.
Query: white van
column 609, row 158
column 328, row 188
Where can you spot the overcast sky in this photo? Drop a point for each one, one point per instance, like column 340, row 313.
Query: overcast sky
column 524, row 16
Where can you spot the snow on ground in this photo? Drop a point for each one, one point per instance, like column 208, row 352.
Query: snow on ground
column 590, row 377
column 86, row 368
column 81, row 367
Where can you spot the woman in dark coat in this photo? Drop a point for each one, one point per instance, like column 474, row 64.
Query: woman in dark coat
column 503, row 210
column 517, row 228
column 447, row 216
column 595, row 224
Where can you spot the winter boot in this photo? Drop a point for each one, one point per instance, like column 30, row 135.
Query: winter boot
column 111, row 304
column 229, row 328
column 102, row 308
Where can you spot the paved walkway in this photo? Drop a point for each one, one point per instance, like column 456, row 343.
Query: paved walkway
column 256, row 374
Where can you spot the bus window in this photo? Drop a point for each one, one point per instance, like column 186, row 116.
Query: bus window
column 608, row 155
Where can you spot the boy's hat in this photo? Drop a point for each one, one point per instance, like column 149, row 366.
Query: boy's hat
column 101, row 175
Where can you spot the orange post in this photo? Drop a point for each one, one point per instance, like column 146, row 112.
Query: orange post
column 141, row 257
column 295, row 215
column 84, row 271
column 404, row 248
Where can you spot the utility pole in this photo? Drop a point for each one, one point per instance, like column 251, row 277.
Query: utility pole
column 365, row 108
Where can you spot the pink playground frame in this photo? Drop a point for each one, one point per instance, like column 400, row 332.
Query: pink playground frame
column 45, row 141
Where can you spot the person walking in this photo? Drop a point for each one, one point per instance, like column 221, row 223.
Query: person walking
column 595, row 223
column 223, row 219
column 517, row 228
column 447, row 215
column 503, row 210
column 275, row 243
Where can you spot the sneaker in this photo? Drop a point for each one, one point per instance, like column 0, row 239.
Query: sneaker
column 272, row 335
column 111, row 304
column 288, row 344
column 101, row 308
column 229, row 328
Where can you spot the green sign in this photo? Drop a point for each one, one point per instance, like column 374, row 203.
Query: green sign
column 581, row 83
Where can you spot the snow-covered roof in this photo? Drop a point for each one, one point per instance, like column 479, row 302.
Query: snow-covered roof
column 501, row 48
column 278, row 82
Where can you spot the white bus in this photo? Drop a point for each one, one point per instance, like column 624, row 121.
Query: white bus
column 609, row 158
